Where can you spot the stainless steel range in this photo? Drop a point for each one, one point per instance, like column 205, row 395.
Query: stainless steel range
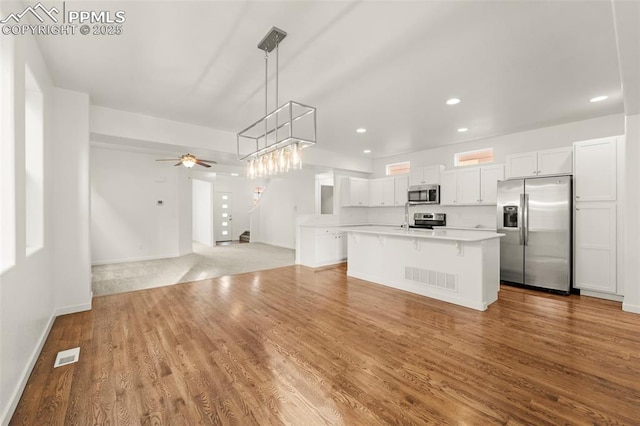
column 428, row 220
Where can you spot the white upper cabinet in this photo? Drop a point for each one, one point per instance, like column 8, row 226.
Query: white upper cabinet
column 468, row 186
column 522, row 165
column 425, row 175
column 549, row 162
column 401, row 187
column 354, row 192
column 382, row 192
column 489, row 177
column 448, row 188
column 595, row 174
column 475, row 186
column 555, row 161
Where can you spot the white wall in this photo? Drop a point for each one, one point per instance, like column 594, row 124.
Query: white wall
column 632, row 218
column 71, row 233
column 127, row 223
column 532, row 140
column 285, row 197
column 34, row 288
column 203, row 212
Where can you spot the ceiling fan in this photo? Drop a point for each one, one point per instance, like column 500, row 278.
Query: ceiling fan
column 189, row 160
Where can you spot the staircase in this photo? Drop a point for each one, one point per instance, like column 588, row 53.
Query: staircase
column 245, row 237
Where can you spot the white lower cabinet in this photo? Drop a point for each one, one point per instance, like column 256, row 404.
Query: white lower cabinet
column 322, row 246
column 595, row 247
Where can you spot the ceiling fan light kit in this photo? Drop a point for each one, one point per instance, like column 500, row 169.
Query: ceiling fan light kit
column 273, row 143
column 189, row 160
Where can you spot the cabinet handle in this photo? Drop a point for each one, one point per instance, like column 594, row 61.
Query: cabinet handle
column 577, row 208
column 577, row 196
column 535, row 172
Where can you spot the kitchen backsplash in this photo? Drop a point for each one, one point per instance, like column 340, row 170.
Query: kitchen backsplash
column 462, row 216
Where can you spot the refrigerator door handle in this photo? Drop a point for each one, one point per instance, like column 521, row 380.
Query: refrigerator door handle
column 525, row 218
column 521, row 220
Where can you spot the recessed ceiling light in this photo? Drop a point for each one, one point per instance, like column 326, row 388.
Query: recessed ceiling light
column 361, row 130
column 462, row 129
column 235, row 174
column 598, row 98
column 367, row 151
column 453, row 101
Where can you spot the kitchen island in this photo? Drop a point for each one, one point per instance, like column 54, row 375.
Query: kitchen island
column 456, row 266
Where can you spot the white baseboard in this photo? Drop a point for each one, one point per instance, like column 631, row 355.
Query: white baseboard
column 628, row 307
column 64, row 310
column 607, row 296
column 17, row 392
column 132, row 259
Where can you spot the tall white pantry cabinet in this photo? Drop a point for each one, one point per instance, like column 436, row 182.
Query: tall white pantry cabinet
column 595, row 215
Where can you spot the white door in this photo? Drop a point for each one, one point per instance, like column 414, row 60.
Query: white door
column 223, row 222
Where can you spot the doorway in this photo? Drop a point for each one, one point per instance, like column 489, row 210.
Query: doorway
column 223, row 218
column 202, row 212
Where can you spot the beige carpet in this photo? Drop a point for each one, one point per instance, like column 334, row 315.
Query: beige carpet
column 205, row 262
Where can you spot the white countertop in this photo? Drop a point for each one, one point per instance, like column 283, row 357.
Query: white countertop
column 439, row 234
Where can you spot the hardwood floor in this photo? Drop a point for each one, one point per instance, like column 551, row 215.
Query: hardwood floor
column 302, row 347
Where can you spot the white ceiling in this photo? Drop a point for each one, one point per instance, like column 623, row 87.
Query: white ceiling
column 388, row 66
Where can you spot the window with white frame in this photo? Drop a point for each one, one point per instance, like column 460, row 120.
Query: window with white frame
column 401, row 168
column 470, row 158
column 34, row 162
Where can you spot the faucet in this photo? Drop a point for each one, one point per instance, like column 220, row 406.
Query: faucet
column 406, row 215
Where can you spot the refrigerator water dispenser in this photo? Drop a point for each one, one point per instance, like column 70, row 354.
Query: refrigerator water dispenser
column 510, row 216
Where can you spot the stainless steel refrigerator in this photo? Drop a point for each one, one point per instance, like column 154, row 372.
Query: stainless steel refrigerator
column 536, row 217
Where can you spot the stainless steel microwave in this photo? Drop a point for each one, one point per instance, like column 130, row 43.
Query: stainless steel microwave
column 424, row 194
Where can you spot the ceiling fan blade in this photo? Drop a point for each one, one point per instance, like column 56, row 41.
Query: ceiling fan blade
column 178, row 163
column 202, row 164
column 169, row 159
column 208, row 161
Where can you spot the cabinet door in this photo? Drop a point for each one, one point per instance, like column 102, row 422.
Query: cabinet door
column 431, row 174
column 522, row 165
column 400, row 191
column 325, row 249
column 595, row 251
column 595, row 170
column 555, row 161
column 448, row 185
column 341, row 246
column 388, row 187
column 468, row 186
column 416, row 176
column 489, row 178
column 375, row 193
column 359, row 192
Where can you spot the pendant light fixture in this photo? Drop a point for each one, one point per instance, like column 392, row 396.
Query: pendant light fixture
column 272, row 144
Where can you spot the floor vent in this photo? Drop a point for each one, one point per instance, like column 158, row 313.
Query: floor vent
column 441, row 280
column 67, row 357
